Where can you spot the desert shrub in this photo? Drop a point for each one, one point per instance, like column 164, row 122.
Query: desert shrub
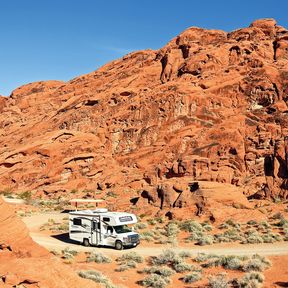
column 182, row 267
column 168, row 257
column 231, row 222
column 256, row 263
column 251, row 280
column 252, row 222
column 98, row 258
column 159, row 220
column 67, row 253
column 271, row 237
column 207, row 226
column 253, row 237
column 205, row 240
column 152, row 221
column 220, row 238
column 172, row 230
column 130, row 256
column 232, row 234
column 147, row 233
column 223, row 226
column 185, row 254
column 282, row 223
column 147, row 236
column 202, row 257
column 285, row 234
column 25, row 195
column 126, row 266
column 195, row 236
column 191, row 226
column 163, row 271
column 264, row 225
column 111, row 194
column 218, row 281
column 227, row 261
column 192, row 277
column 155, row 281
column 140, row 225
column 231, row 262
column 97, row 277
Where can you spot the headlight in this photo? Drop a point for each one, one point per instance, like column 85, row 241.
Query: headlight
column 126, row 239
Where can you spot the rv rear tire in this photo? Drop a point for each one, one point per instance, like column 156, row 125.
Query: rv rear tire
column 118, row 245
column 86, row 242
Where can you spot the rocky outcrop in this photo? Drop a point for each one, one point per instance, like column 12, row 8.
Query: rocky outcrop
column 209, row 105
column 22, row 261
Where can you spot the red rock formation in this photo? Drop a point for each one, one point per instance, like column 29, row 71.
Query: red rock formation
column 22, row 261
column 209, row 105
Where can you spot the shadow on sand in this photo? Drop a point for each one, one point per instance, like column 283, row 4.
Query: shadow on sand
column 64, row 237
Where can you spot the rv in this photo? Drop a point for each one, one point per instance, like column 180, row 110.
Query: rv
column 99, row 227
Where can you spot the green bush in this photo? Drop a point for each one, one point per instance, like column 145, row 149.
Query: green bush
column 130, row 256
column 226, row 261
column 25, row 195
column 205, row 240
column 251, row 280
column 98, row 258
column 67, row 253
column 218, row 281
column 252, row 222
column 185, row 254
column 231, row 262
column 97, row 277
column 155, row 281
column 140, row 225
column 172, row 230
column 192, row 277
column 256, row 263
column 126, row 266
column 163, row 271
column 264, row 225
column 271, row 237
column 253, row 237
column 191, row 226
column 168, row 257
column 202, row 257
column 183, row 267
column 195, row 236
column 207, row 226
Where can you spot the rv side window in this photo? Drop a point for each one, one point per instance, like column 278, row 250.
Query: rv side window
column 77, row 222
column 106, row 219
column 96, row 225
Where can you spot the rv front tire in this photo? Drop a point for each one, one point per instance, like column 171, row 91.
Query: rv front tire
column 118, row 245
column 86, row 242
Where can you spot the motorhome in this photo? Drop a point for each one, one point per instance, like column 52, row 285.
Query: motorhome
column 100, row 227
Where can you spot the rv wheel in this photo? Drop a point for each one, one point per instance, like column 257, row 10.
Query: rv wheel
column 118, row 245
column 86, row 242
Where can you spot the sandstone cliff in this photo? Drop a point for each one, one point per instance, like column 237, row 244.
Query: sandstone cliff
column 209, row 106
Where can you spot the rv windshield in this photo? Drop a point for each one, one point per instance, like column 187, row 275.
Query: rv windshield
column 122, row 229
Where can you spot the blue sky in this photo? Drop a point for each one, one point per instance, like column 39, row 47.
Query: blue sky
column 61, row 39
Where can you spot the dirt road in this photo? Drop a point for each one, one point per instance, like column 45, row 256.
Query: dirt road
column 60, row 242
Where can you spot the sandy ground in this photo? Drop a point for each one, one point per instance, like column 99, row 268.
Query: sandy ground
column 276, row 276
column 61, row 241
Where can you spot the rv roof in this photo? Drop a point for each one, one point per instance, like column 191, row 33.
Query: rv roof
column 86, row 200
column 101, row 210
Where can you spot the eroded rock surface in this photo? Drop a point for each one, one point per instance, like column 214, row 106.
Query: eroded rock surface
column 209, row 105
column 23, row 262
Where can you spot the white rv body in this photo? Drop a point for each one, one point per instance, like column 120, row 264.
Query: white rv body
column 99, row 227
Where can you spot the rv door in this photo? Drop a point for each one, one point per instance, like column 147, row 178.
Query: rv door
column 95, row 233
